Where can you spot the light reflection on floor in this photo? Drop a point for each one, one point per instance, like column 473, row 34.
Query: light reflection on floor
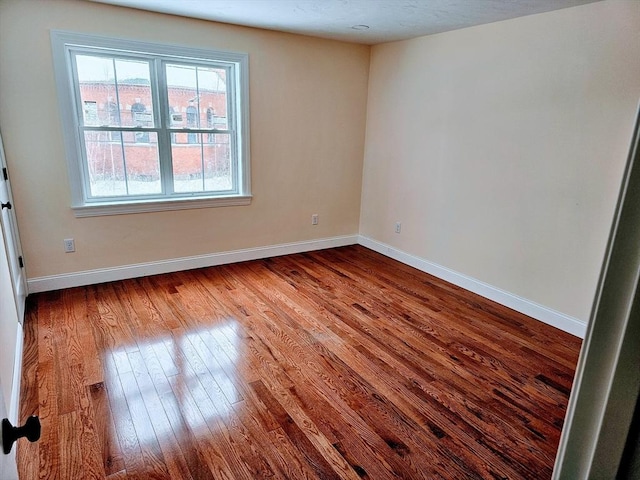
column 188, row 375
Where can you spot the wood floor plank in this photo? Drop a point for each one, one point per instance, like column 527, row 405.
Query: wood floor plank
column 123, row 423
column 171, row 453
column 27, row 453
column 474, row 374
column 86, row 430
column 152, row 456
column 291, row 367
column 340, row 363
column 294, row 466
column 197, row 460
column 49, row 451
column 47, row 388
column 70, row 450
column 312, row 455
column 207, row 427
column 112, row 460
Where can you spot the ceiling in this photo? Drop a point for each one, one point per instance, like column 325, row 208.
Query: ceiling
column 347, row 20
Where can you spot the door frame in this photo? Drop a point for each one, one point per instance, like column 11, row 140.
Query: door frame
column 9, row 376
column 8, row 463
column 12, row 241
column 11, row 254
column 607, row 381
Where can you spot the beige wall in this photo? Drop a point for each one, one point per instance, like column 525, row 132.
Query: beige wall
column 501, row 148
column 308, row 105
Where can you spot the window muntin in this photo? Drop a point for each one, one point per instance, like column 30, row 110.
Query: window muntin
column 154, row 125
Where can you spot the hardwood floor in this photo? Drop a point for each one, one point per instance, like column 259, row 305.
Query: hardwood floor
column 337, row 364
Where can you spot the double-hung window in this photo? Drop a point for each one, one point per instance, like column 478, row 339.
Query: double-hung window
column 152, row 127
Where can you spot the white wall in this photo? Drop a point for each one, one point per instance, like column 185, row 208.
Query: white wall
column 308, row 104
column 501, row 148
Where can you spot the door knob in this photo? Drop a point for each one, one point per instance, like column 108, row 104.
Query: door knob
column 6, row 205
column 31, row 429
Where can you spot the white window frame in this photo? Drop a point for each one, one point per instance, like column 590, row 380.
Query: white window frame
column 64, row 44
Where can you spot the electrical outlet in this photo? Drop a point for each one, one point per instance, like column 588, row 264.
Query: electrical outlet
column 69, row 245
column 314, row 219
column 398, row 227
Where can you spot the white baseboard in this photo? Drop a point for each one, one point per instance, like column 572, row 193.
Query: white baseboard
column 90, row 277
column 14, row 407
column 539, row 312
column 551, row 317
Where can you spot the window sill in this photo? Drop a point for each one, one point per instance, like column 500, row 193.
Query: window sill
column 146, row 206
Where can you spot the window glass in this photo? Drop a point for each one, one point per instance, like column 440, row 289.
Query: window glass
column 204, row 165
column 110, row 86
column 217, row 162
column 199, row 93
column 152, row 122
column 118, row 168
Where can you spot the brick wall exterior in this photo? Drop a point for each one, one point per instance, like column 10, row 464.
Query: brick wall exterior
column 114, row 155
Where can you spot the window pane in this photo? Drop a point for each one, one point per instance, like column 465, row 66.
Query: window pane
column 183, row 95
column 97, row 90
column 105, row 163
column 217, row 163
column 114, row 91
column 187, row 164
column 118, row 166
column 213, row 97
column 143, row 166
column 197, row 96
column 202, row 166
column 134, row 91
